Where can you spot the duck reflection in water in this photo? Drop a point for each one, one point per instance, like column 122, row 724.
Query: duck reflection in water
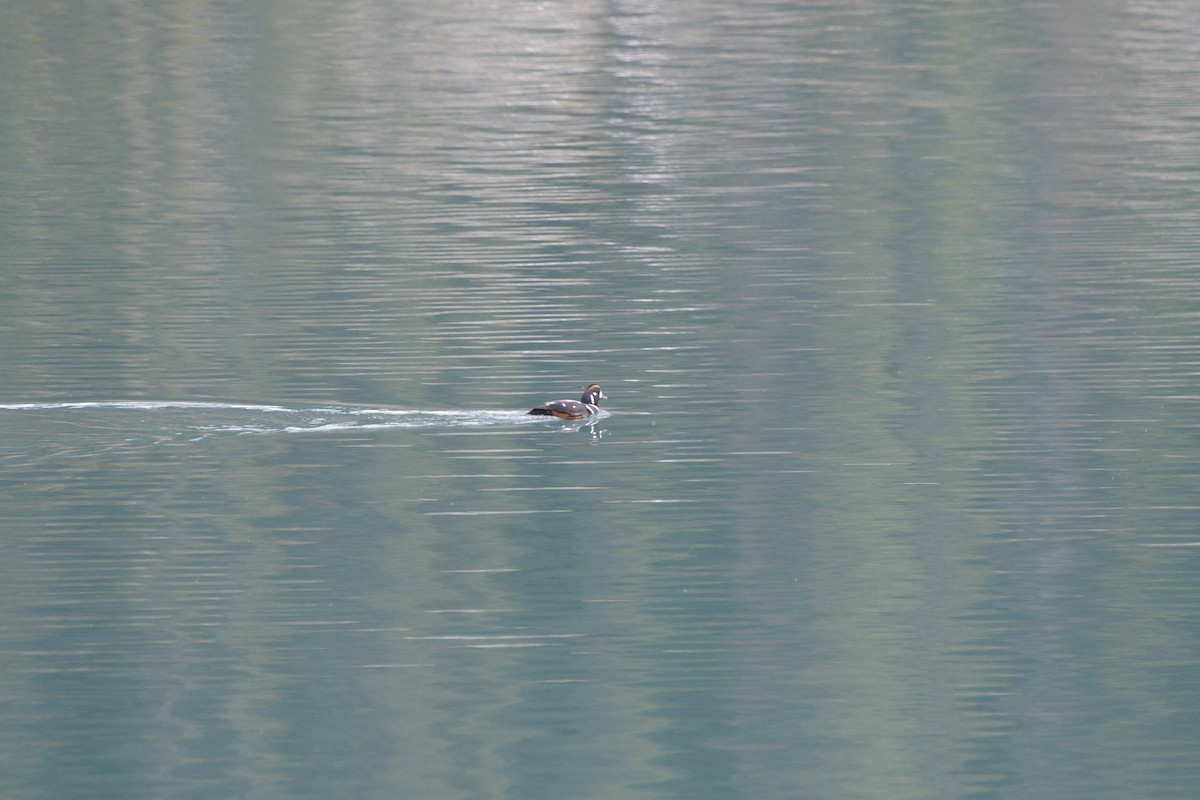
column 588, row 427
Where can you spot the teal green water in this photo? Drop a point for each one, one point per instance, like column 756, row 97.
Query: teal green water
column 894, row 495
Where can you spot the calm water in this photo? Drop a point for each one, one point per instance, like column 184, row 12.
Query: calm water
column 897, row 305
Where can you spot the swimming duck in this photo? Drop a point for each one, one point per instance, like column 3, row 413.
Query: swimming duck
column 572, row 409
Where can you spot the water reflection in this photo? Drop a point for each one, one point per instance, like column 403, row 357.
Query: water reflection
column 590, row 428
column 897, row 304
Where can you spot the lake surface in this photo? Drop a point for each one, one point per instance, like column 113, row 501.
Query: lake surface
column 897, row 306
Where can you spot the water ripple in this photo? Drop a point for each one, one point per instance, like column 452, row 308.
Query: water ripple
column 102, row 426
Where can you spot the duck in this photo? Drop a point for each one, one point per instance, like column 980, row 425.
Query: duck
column 572, row 409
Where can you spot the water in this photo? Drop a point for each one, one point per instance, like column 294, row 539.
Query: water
column 894, row 495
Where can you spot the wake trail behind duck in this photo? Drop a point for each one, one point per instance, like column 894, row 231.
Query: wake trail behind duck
column 92, row 427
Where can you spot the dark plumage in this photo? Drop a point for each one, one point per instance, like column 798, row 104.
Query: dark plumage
column 572, row 409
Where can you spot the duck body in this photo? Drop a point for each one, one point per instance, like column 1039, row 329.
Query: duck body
column 572, row 409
